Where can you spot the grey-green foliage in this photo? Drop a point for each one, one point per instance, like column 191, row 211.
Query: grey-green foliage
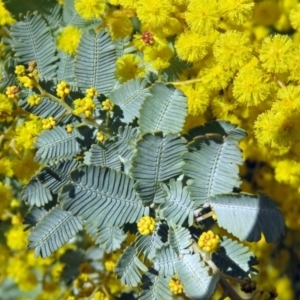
column 146, row 167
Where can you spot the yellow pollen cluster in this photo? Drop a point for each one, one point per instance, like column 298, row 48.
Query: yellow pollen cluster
column 175, row 286
column 12, row 91
column 101, row 137
column 62, row 89
column 48, row 123
column 146, row 225
column 85, row 105
column 27, row 82
column 20, row 70
column 91, row 92
column 108, row 105
column 109, row 265
column 34, row 99
column 208, row 241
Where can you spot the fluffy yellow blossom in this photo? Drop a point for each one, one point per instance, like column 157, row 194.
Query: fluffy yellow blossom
column 203, row 16
column 198, row 98
column 109, row 265
column 158, row 58
column 154, row 13
column 225, row 109
column 16, row 237
column 191, row 46
column 27, row 131
column 85, row 105
column 294, row 74
column 266, row 13
column 250, row 86
column 5, row 16
column 90, row 9
column 295, row 17
column 120, row 27
column 232, row 49
column 91, row 92
column 20, row 70
column 68, row 39
column 146, row 225
column 215, row 76
column 48, row 123
column 172, row 27
column 209, row 241
column 107, row 105
column 276, row 53
column 63, row 89
column 288, row 171
column 148, row 39
column 129, row 66
column 12, row 91
column 27, row 82
column 236, row 11
column 26, row 163
column 175, row 286
column 101, row 137
column 5, row 196
column 277, row 129
column 6, row 166
column 27, row 281
column 6, row 107
column 34, row 99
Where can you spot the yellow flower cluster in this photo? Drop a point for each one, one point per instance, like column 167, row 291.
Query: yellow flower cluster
column 63, row 89
column 27, row 131
column 209, row 241
column 48, row 123
column 6, row 107
column 85, row 106
column 68, row 39
column 175, row 286
column 101, row 136
column 12, row 91
column 34, row 99
column 107, row 105
column 146, row 225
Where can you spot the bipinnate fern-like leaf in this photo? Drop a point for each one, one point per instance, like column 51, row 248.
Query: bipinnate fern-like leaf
column 180, row 240
column 45, row 109
column 222, row 128
column 102, row 195
column 195, row 278
column 165, row 260
column 65, row 69
column 34, row 193
column 149, row 244
column 52, row 231
column 95, row 63
column 34, row 216
column 155, row 287
column 212, row 166
column 32, row 41
column 234, row 259
column 178, row 206
column 57, row 175
column 57, row 144
column 158, row 158
column 129, row 97
column 126, row 143
column 129, row 266
column 105, row 154
column 109, row 238
column 247, row 216
column 165, row 110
